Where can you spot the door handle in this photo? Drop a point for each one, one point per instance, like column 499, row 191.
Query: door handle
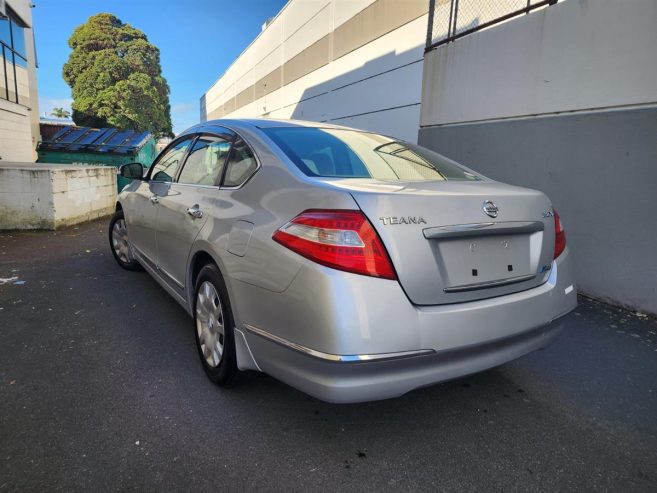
column 195, row 212
column 155, row 199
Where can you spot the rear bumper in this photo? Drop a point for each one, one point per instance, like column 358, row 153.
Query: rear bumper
column 361, row 316
column 346, row 382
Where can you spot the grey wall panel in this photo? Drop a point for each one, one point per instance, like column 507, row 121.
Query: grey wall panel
column 269, row 83
column 374, row 21
column 245, row 97
column 313, row 57
column 599, row 169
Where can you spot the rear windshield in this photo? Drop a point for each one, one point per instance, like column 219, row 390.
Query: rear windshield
column 331, row 153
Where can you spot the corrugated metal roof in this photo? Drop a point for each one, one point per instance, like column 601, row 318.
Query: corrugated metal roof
column 103, row 140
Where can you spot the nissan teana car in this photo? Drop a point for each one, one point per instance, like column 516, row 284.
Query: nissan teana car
column 350, row 265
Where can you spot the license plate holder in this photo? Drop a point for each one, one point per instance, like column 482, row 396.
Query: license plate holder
column 485, row 260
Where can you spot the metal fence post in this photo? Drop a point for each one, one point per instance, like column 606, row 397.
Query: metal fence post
column 456, row 14
column 432, row 8
column 449, row 24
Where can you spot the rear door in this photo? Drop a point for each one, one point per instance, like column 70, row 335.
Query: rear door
column 184, row 209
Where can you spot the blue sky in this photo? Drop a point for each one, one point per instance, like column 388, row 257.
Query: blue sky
column 198, row 40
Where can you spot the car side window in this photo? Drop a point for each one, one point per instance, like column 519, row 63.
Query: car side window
column 241, row 165
column 205, row 161
column 167, row 166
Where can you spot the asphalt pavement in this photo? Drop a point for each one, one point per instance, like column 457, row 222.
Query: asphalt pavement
column 101, row 389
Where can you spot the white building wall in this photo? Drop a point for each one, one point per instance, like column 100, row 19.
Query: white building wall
column 19, row 122
column 376, row 86
column 15, row 132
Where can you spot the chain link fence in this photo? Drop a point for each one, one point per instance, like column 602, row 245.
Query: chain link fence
column 452, row 19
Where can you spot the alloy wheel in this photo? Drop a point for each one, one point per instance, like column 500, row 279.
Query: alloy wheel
column 120, row 241
column 210, row 324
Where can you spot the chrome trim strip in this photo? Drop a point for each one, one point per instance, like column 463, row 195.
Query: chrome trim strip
column 339, row 358
column 194, row 185
column 142, row 256
column 163, row 274
column 157, row 275
column 483, row 229
column 488, row 284
column 172, row 280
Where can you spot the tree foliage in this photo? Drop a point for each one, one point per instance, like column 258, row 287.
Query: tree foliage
column 116, row 78
column 60, row 113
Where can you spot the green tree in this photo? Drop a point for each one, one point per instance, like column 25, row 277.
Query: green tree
column 60, row 113
column 116, row 79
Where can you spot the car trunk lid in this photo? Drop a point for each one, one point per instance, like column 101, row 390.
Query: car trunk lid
column 444, row 245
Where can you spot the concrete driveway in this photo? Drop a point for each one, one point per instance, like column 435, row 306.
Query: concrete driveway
column 101, row 389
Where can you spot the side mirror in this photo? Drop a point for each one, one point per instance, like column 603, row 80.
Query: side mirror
column 133, row 171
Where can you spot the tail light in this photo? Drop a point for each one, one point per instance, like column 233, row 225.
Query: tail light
column 559, row 236
column 340, row 239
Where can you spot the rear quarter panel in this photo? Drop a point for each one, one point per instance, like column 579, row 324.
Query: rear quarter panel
column 271, row 198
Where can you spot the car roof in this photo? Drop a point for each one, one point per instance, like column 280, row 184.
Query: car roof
column 259, row 123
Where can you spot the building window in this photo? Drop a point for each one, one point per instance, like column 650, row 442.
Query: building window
column 14, row 82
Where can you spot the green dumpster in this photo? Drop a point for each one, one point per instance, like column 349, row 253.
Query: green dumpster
column 98, row 147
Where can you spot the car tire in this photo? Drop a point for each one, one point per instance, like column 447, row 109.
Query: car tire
column 120, row 244
column 213, row 326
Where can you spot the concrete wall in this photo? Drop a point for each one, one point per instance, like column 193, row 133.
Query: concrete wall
column 576, row 55
column 19, row 122
column 47, row 196
column 564, row 100
column 599, row 169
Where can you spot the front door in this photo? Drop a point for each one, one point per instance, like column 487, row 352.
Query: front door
column 144, row 204
column 141, row 213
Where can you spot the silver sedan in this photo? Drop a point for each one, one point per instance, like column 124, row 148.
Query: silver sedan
column 350, row 265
